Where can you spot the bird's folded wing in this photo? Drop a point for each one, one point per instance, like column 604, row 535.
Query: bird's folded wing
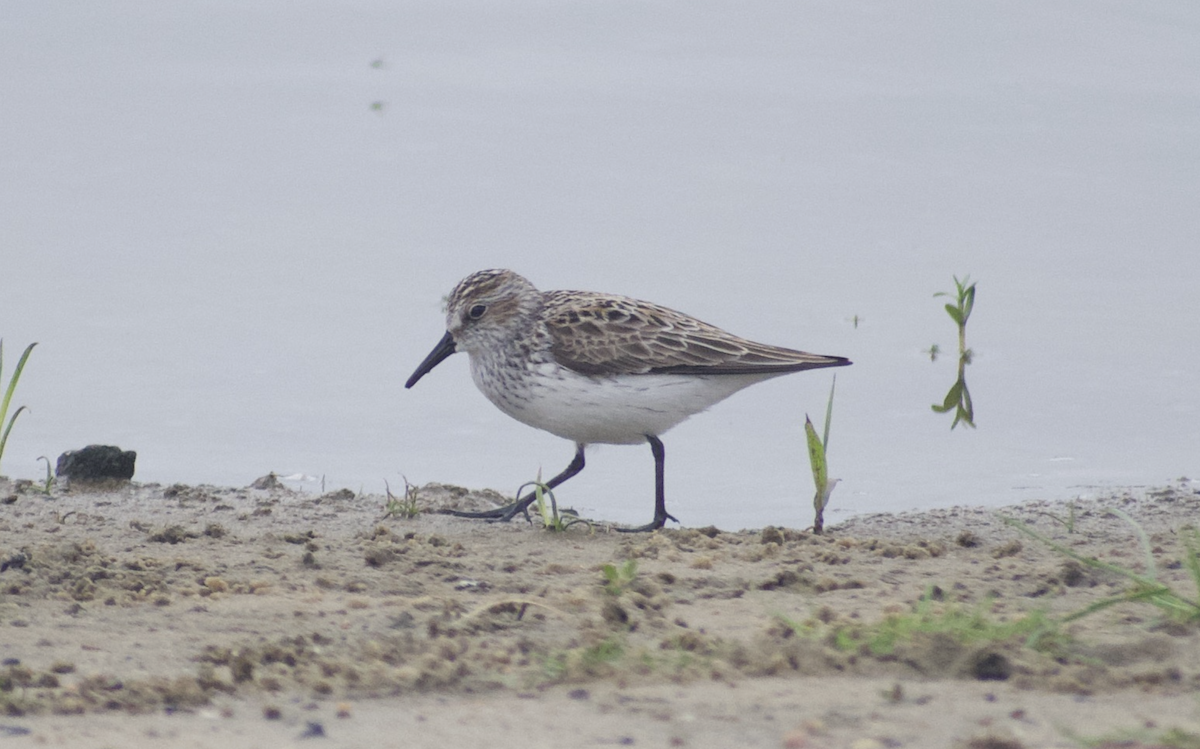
column 598, row 334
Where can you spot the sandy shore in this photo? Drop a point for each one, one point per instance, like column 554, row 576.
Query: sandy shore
column 144, row 615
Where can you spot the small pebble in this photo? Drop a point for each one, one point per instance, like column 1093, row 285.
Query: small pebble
column 795, row 740
column 14, row 730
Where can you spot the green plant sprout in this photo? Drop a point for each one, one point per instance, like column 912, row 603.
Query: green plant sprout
column 1068, row 522
column 49, row 476
column 548, row 510
column 404, row 508
column 817, row 448
column 958, row 398
column 582, row 661
column 8, row 394
column 964, row 624
column 617, row 579
column 1146, row 587
column 1171, row 738
column 960, row 311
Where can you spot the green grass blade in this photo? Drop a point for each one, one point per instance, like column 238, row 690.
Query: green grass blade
column 1143, row 540
column 1191, row 545
column 1067, row 551
column 828, row 415
column 1146, row 588
column 8, row 394
column 1093, row 608
column 16, row 375
column 7, row 429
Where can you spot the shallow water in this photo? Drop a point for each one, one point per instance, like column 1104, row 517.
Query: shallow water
column 232, row 259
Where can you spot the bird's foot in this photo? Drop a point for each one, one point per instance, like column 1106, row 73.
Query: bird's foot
column 495, row 515
column 653, row 525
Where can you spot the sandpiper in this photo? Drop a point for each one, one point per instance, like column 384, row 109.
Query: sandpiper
column 597, row 368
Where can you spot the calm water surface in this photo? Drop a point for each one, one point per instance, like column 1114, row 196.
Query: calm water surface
column 230, row 229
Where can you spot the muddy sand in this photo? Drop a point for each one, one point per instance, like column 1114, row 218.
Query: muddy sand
column 143, row 615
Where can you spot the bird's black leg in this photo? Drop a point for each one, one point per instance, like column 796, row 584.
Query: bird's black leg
column 660, row 502
column 508, row 512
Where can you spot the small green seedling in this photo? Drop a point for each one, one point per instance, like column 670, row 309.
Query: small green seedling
column 617, row 579
column 929, row 616
column 817, row 449
column 1171, row 738
column 403, row 508
column 547, row 506
column 8, row 394
column 584, row 660
column 1068, row 522
column 960, row 311
column 958, row 398
column 966, row 625
column 49, row 476
column 1146, row 587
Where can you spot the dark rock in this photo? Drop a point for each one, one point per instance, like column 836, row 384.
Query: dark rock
column 16, row 561
column 313, row 730
column 96, row 462
column 991, row 667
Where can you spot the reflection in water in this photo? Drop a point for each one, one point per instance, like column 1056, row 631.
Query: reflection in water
column 959, row 397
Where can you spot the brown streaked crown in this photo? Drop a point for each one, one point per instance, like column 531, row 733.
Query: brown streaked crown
column 491, row 306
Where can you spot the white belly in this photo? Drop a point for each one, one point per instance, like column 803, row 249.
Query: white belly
column 618, row 410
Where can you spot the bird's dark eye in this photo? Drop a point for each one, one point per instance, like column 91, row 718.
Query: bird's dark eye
column 477, row 311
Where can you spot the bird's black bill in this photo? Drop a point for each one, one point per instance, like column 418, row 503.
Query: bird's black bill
column 444, row 348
